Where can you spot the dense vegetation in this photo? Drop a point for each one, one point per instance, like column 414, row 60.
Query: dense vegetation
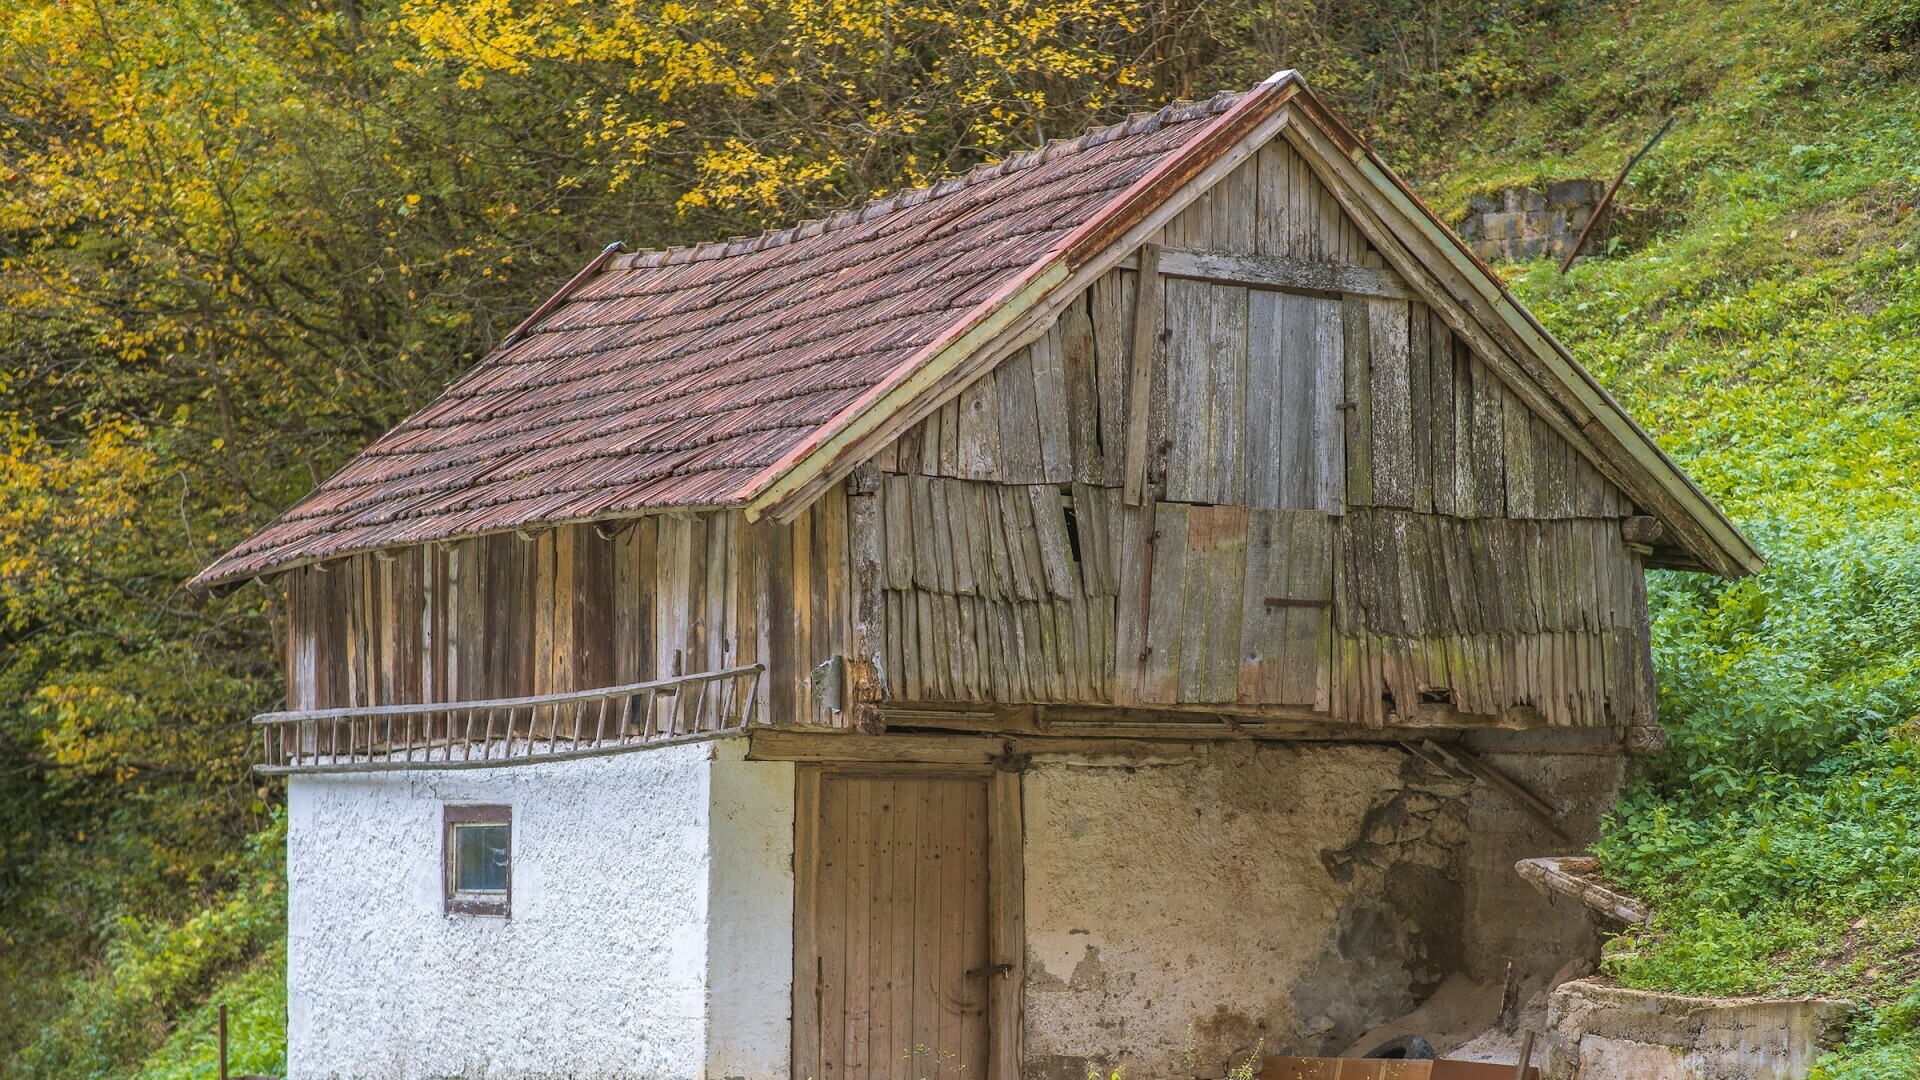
column 238, row 238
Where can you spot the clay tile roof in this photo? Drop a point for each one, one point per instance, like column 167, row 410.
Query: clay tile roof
column 677, row 378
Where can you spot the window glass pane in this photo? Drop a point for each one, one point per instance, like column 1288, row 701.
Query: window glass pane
column 480, row 858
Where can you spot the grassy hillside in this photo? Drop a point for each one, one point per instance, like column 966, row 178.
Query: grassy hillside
column 1763, row 323
column 1759, row 316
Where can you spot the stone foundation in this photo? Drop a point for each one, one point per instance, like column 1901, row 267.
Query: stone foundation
column 1597, row 1032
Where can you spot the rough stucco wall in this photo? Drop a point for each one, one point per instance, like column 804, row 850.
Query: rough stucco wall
column 1507, row 919
column 1273, row 896
column 603, row 968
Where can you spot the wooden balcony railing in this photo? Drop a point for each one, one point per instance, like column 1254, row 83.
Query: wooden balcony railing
column 477, row 734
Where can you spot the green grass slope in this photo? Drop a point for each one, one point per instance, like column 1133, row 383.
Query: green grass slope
column 1764, row 322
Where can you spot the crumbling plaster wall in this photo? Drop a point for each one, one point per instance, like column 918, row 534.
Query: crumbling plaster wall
column 652, row 898
column 1508, row 920
column 1283, row 897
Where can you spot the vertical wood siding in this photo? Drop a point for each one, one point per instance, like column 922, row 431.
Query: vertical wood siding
column 574, row 608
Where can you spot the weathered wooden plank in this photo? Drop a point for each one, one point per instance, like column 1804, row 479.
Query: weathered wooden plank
column 1165, row 609
column 1079, row 368
column 1133, row 565
column 1517, row 429
column 1225, row 561
column 1021, row 460
column 1149, row 296
column 1189, row 398
column 1301, row 452
column 1440, row 476
column 1302, row 216
column 1357, row 430
column 1392, row 444
column 1050, row 405
column 1420, row 406
column 1267, row 434
column 979, row 435
column 1225, row 467
column 939, row 539
column 1285, row 273
column 1050, row 535
column 1232, row 211
column 897, row 525
column 1272, row 174
column 927, row 540
column 1328, row 359
column 1112, row 301
column 1489, row 442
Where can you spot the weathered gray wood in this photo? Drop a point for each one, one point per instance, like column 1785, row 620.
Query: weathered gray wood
column 1329, row 421
column 1271, row 179
column 1420, row 406
column 1226, row 462
column 1165, row 607
column 1211, row 599
column 1440, row 379
column 1268, row 437
column 1232, row 210
column 1050, row 534
column 1489, row 442
column 1112, row 302
column 1133, row 567
column 1189, row 397
column 1050, row 405
column 1392, row 442
column 1356, row 342
column 1021, row 459
column 979, row 437
column 1083, row 403
column 1149, row 295
column 1284, row 273
column 1517, row 425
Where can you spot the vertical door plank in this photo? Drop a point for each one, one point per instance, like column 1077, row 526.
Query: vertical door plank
column 1050, row 405
column 1142, row 345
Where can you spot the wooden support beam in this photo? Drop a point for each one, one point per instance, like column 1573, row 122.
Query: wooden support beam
column 1280, row 272
column 1528, row 803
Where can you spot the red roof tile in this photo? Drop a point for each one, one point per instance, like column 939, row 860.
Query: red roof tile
column 677, row 378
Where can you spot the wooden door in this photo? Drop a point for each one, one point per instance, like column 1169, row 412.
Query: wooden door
column 901, row 971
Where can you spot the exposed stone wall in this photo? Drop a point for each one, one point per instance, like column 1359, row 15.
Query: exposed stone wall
column 650, row 932
column 1527, row 223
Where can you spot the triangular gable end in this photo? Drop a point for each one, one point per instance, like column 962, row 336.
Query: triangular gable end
column 1353, row 231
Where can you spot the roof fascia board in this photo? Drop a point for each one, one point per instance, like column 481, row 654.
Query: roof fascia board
column 999, row 328
column 1714, row 540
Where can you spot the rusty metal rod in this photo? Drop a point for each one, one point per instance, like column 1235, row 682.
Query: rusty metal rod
column 1606, row 200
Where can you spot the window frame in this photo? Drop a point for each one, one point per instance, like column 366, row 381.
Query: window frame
column 496, row 905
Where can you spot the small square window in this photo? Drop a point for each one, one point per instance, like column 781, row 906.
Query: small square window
column 479, row 859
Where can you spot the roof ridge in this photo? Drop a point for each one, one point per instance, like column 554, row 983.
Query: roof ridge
column 1141, row 123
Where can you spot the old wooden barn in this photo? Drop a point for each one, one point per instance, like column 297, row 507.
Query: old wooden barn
column 1140, row 595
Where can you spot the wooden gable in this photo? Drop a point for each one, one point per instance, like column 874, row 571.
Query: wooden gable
column 1343, row 510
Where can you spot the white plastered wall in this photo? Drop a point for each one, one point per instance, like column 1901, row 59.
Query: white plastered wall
column 650, row 933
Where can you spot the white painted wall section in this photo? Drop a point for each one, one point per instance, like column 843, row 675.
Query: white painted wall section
column 642, row 884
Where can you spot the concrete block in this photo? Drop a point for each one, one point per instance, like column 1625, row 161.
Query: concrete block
column 1524, row 199
column 1483, row 204
column 1599, row 1032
